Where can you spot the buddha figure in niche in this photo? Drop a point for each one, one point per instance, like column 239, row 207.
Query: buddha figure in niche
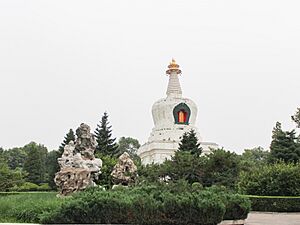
column 182, row 116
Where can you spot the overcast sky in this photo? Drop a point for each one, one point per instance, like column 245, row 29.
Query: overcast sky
column 66, row 62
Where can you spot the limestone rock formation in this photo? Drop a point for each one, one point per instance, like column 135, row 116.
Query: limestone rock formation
column 125, row 171
column 78, row 166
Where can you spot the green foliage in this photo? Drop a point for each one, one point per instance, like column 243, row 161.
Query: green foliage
column 218, row 168
column 275, row 204
column 52, row 167
column 44, row 187
column 70, row 136
column 162, row 204
column 253, row 158
column 129, row 145
column 103, row 134
column 141, row 205
column 278, row 179
column 296, row 117
column 189, row 142
column 237, row 206
column 35, row 164
column 149, row 174
column 196, row 186
column 8, row 177
column 221, row 168
column 27, row 186
column 284, row 145
column 15, row 157
column 27, row 207
column 184, row 165
column 108, row 163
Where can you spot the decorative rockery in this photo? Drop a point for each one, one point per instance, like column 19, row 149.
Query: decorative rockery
column 125, row 171
column 78, row 166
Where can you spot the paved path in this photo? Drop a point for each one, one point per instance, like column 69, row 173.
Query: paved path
column 273, row 219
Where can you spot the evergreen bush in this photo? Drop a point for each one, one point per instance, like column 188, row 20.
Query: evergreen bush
column 150, row 205
column 271, row 180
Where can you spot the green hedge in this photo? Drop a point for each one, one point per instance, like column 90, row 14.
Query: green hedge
column 275, row 203
column 27, row 186
column 150, row 205
column 168, row 204
column 139, row 207
column 278, row 179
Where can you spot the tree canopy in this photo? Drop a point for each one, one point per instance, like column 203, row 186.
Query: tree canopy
column 129, row 145
column 35, row 164
column 9, row 178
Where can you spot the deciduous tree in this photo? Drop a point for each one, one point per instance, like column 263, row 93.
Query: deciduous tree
column 35, row 164
column 9, row 178
column 129, row 145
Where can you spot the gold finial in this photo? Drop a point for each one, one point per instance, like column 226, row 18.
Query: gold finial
column 173, row 67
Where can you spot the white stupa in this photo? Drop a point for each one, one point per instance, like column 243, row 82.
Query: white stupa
column 172, row 116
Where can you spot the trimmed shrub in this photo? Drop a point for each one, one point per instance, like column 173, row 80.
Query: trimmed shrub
column 27, row 186
column 237, row 206
column 44, row 187
column 271, row 180
column 163, row 204
column 275, row 203
column 140, row 206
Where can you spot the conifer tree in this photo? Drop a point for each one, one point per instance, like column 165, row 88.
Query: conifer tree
column 70, row 136
column 103, row 134
column 189, row 143
column 284, row 145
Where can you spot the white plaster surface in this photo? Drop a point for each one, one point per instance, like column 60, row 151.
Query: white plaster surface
column 165, row 136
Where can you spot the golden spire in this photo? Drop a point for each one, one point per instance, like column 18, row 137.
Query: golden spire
column 173, row 68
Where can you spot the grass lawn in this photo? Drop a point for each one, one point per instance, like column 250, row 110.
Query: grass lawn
column 26, row 206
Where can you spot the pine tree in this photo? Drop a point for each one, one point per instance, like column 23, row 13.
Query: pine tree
column 284, row 145
column 70, row 136
column 103, row 134
column 189, row 142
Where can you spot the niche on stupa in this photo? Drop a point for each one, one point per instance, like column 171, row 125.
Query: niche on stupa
column 182, row 114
